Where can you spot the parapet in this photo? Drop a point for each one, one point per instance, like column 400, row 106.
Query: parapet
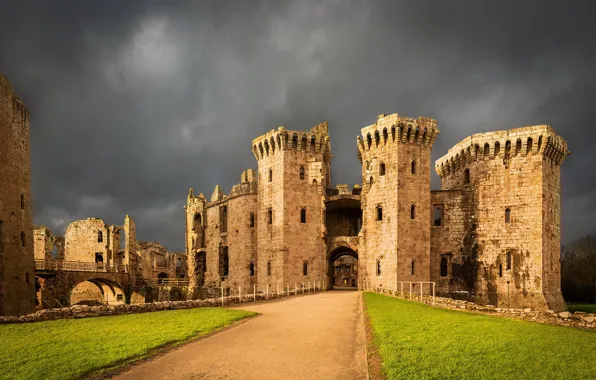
column 531, row 140
column 392, row 129
column 314, row 141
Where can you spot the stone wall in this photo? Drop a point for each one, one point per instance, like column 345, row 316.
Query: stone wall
column 17, row 283
column 511, row 179
column 42, row 243
column 86, row 240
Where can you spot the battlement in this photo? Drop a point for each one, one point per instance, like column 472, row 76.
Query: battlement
column 538, row 139
column 391, row 129
column 314, row 141
column 18, row 107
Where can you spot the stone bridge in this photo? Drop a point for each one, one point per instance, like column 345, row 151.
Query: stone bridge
column 55, row 281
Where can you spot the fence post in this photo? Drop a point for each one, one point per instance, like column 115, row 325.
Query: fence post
column 410, row 290
column 401, row 291
column 278, row 290
column 295, row 288
column 254, row 292
column 239, row 294
column 267, row 294
column 421, row 292
column 303, row 288
column 433, row 293
column 222, row 296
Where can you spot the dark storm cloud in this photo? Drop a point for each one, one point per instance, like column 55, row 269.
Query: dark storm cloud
column 134, row 102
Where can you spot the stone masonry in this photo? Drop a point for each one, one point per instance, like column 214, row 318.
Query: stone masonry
column 490, row 235
column 17, row 283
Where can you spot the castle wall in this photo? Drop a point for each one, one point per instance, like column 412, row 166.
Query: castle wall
column 42, row 243
column 82, row 241
column 506, row 172
column 17, row 272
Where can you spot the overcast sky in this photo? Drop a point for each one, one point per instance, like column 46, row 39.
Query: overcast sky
column 134, row 102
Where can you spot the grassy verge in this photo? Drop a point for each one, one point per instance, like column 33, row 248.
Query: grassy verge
column 586, row 308
column 68, row 349
column 416, row 341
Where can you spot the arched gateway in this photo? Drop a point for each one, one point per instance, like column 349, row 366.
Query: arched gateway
column 342, row 267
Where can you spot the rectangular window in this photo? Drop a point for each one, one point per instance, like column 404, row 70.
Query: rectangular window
column 223, row 261
column 507, row 215
column 303, row 215
column 379, row 213
column 269, row 216
column 438, row 215
column 382, row 169
column 223, row 219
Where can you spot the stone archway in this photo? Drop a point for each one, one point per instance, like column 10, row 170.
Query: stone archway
column 342, row 267
column 96, row 291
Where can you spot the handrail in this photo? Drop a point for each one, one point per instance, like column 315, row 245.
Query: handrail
column 78, row 266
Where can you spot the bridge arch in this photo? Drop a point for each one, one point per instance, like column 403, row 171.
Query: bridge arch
column 95, row 291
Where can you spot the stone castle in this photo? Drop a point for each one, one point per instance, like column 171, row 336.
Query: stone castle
column 490, row 235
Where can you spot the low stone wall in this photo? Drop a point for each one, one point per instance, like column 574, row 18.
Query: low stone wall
column 565, row 318
column 84, row 311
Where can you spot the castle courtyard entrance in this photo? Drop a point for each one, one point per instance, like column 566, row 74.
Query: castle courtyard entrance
column 342, row 269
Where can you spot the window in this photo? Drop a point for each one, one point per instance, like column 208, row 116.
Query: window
column 99, row 236
column 302, row 172
column 413, row 166
column 252, row 219
column 223, row 219
column 378, row 267
column 269, row 216
column 444, row 268
column 270, row 175
column 251, row 268
column 507, row 215
column 508, row 260
column 529, row 146
column 382, row 169
column 268, row 268
column 370, row 181
column 413, row 211
column 98, row 257
column 500, row 270
column 497, row 148
column 518, row 146
column 22, row 239
column 467, row 176
column 303, row 215
column 223, row 261
column 379, row 213
column 438, row 215
column 413, row 267
column 305, row 268
column 196, row 223
column 22, row 201
column 486, row 150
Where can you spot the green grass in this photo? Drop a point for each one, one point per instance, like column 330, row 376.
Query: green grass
column 70, row 348
column 416, row 341
column 586, row 308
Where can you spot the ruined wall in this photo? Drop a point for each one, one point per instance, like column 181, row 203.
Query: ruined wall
column 130, row 234
column 509, row 173
column 42, row 243
column 156, row 259
column 391, row 238
column 17, row 285
column 195, row 224
column 293, row 173
column 83, row 241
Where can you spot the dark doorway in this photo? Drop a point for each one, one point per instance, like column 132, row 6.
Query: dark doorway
column 342, row 269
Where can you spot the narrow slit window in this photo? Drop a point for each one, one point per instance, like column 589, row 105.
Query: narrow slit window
column 379, row 213
column 268, row 268
column 303, row 215
column 508, row 260
column 500, row 270
column 378, row 267
column 302, row 172
column 99, row 236
column 22, row 239
column 413, row 267
column 270, row 175
column 305, row 268
column 251, row 268
column 507, row 215
column 382, row 168
column 438, row 215
column 413, row 167
column 252, row 219
column 467, row 176
column 413, row 211
column 444, row 266
column 269, row 216
column 22, row 201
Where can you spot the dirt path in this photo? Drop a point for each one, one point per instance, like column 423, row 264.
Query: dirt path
column 317, row 336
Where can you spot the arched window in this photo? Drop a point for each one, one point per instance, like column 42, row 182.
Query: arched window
column 467, row 176
column 302, row 172
column 518, row 146
column 507, row 215
column 413, row 211
column 476, row 151
column 508, row 260
column 268, row 268
column 382, row 168
column 529, row 146
column 413, row 167
column 497, row 148
column 251, row 268
column 305, row 268
column 444, row 268
column 508, row 147
column 99, row 236
column 378, row 267
column 303, row 215
column 486, row 150
column 413, row 267
column 369, row 140
column 294, row 141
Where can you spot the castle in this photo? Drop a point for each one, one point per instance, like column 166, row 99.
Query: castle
column 490, row 235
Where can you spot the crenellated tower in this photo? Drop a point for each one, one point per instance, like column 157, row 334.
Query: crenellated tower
column 17, row 271
column 293, row 175
column 510, row 225
column 395, row 235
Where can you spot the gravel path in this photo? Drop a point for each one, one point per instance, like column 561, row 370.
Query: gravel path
column 319, row 336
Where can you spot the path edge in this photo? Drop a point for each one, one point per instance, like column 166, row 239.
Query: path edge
column 374, row 368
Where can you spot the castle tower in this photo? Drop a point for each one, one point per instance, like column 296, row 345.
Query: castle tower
column 510, row 183
column 395, row 235
column 17, row 271
column 195, row 240
column 293, row 175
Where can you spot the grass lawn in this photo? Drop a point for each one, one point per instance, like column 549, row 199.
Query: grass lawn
column 70, row 348
column 586, row 308
column 416, row 341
